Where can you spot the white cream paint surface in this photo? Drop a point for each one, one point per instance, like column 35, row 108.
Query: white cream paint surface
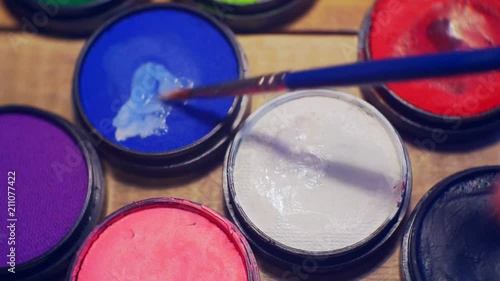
column 318, row 171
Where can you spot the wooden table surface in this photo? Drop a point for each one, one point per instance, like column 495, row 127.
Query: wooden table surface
column 37, row 70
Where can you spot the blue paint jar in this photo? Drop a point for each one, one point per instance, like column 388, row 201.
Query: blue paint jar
column 139, row 54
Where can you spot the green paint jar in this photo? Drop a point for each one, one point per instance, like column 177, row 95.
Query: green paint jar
column 239, row 2
column 253, row 15
column 70, row 18
column 70, row 2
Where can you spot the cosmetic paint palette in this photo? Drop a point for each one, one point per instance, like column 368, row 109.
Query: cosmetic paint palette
column 67, row 17
column 252, row 15
column 454, row 233
column 54, row 195
column 459, row 107
column 165, row 239
column 317, row 174
column 316, row 182
column 143, row 53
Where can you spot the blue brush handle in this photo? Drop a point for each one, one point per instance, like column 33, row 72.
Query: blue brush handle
column 400, row 69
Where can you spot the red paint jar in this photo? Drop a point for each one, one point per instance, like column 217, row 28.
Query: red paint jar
column 165, row 239
column 452, row 108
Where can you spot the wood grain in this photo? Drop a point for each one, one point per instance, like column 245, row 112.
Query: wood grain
column 325, row 16
column 331, row 16
column 37, row 71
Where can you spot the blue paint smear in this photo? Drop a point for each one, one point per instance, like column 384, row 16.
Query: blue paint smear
column 185, row 46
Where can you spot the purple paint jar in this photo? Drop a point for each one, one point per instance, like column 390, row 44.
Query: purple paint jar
column 51, row 193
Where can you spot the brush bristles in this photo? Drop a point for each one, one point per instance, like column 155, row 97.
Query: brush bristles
column 180, row 94
column 250, row 86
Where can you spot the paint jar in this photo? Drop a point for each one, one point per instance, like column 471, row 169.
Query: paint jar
column 253, row 15
column 317, row 177
column 453, row 230
column 137, row 55
column 165, row 239
column 445, row 109
column 53, row 196
column 67, row 17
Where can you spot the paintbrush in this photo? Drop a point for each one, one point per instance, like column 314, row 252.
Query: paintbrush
column 362, row 73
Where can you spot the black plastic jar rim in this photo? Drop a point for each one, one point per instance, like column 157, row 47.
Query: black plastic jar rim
column 397, row 101
column 409, row 244
column 167, row 202
column 327, row 260
column 239, row 103
column 430, row 135
column 55, row 259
